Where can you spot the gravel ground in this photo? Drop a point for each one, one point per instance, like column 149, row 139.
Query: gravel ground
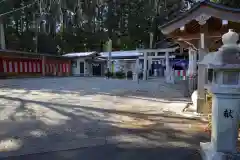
column 112, row 152
column 120, row 117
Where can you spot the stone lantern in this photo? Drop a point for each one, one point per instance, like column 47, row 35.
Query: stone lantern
column 225, row 88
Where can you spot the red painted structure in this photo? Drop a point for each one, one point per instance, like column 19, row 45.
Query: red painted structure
column 14, row 63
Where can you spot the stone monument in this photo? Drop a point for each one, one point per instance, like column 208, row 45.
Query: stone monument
column 225, row 88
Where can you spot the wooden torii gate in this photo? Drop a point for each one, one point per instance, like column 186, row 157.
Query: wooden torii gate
column 200, row 30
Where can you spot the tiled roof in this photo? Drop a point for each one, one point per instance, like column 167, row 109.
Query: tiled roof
column 79, row 54
column 198, row 5
column 121, row 54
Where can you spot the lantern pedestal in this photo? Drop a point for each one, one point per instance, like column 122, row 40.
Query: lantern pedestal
column 224, row 125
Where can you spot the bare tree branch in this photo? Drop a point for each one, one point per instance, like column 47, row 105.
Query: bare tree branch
column 18, row 9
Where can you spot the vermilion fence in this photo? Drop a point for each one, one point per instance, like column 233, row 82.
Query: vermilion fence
column 21, row 65
column 180, row 74
column 57, row 67
column 26, row 64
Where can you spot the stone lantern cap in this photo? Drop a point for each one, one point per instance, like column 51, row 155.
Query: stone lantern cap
column 228, row 56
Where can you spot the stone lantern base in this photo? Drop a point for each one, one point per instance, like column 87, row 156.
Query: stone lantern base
column 208, row 153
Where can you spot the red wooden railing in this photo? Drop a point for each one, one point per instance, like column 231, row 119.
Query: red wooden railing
column 18, row 66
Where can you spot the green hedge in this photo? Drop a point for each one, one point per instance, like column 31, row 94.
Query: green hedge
column 108, row 74
column 120, row 75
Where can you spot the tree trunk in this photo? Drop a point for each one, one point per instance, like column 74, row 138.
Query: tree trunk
column 2, row 35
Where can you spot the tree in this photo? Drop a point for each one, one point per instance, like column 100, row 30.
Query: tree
column 229, row 3
column 61, row 26
column 13, row 18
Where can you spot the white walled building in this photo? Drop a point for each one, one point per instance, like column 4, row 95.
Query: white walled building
column 122, row 60
column 96, row 64
column 86, row 64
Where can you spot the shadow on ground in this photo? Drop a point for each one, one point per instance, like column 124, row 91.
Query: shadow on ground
column 51, row 130
column 144, row 90
column 153, row 136
column 113, row 152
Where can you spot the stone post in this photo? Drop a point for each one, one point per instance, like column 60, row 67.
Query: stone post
column 226, row 100
column 169, row 72
column 109, row 50
column 155, row 69
column 86, row 68
column 200, row 88
column 167, row 65
column 135, row 77
column 91, row 69
column 145, row 70
column 192, row 70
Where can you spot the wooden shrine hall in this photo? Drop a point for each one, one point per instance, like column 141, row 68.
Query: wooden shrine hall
column 200, row 30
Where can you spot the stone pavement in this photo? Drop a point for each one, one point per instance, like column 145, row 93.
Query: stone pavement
column 52, row 114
